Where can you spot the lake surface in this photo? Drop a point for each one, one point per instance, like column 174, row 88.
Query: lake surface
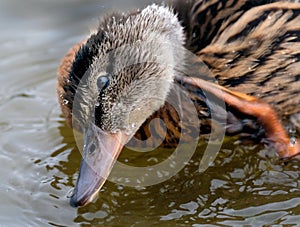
column 39, row 159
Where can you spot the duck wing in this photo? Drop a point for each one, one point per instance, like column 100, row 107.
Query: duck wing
column 260, row 55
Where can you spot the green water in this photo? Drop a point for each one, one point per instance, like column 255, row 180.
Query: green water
column 39, row 159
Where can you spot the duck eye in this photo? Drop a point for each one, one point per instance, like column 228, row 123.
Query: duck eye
column 102, row 82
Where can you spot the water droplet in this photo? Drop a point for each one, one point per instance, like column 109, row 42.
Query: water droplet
column 292, row 131
column 293, row 140
column 114, row 131
column 65, row 101
column 97, row 104
column 133, row 125
column 70, row 193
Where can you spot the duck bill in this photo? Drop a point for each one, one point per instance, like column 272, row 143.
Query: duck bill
column 101, row 150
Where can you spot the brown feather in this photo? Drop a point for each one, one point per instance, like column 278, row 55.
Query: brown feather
column 250, row 46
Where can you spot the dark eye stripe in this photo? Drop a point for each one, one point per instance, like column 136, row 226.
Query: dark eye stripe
column 102, row 82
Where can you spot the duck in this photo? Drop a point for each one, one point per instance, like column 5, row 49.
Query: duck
column 244, row 53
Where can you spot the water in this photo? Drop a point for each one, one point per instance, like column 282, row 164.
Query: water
column 39, row 159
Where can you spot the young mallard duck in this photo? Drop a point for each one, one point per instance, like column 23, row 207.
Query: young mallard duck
column 116, row 81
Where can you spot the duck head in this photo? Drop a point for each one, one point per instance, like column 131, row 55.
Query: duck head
column 113, row 82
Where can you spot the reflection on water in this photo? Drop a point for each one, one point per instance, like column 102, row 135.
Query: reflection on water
column 39, row 159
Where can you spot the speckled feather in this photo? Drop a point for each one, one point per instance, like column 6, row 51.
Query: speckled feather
column 254, row 50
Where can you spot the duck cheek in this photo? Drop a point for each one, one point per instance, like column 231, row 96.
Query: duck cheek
column 101, row 151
